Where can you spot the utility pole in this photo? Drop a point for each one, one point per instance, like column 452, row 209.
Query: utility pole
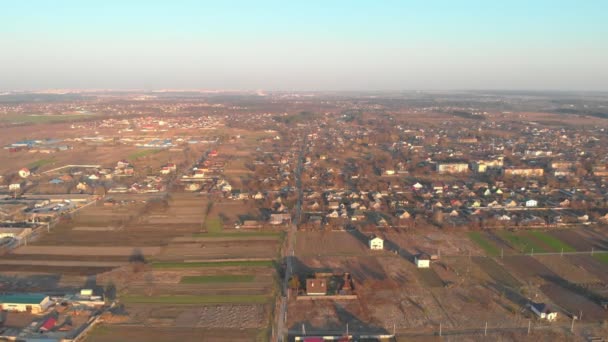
column 485, row 331
column 439, row 329
column 532, row 252
column 346, row 330
column 529, row 325
column 572, row 326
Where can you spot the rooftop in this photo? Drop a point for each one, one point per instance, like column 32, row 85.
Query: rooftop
column 22, row 298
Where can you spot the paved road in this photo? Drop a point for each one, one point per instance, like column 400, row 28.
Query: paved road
column 289, row 250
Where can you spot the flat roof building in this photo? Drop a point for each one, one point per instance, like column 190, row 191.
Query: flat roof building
column 24, row 302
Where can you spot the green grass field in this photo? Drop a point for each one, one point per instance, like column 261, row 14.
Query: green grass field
column 603, row 257
column 214, row 225
column 484, row 243
column 142, row 153
column 521, row 242
column 253, row 263
column 40, row 163
column 193, row 299
column 556, row 244
column 226, row 278
column 42, row 119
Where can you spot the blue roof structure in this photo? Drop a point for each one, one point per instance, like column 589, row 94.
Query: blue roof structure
column 22, row 298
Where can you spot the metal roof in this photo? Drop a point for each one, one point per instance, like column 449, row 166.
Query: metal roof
column 22, row 298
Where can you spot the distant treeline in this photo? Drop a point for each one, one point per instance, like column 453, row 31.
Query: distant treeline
column 581, row 112
column 467, row 115
column 296, row 118
column 42, row 98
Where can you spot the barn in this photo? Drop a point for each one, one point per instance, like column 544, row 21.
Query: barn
column 18, row 302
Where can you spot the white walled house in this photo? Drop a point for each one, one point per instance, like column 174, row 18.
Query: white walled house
column 531, row 203
column 376, row 243
column 422, row 261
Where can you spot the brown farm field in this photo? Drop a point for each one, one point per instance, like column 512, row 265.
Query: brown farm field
column 113, row 333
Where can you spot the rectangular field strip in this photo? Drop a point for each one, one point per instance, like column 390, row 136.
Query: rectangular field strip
column 521, row 242
column 226, row 278
column 484, row 243
column 192, row 299
column 603, row 257
column 556, row 244
column 252, row 263
column 238, row 235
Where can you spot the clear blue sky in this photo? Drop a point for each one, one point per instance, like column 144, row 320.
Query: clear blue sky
column 304, row 45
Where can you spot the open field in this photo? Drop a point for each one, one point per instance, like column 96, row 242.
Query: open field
column 497, row 272
column 574, row 238
column 527, row 267
column 195, row 300
column 602, row 257
column 554, row 244
column 485, row 244
column 134, row 224
column 113, row 333
column 566, row 269
column 329, row 243
column 142, row 153
column 86, row 250
column 430, row 278
column 224, row 250
column 524, row 242
column 61, row 270
column 228, row 278
column 40, row 162
column 227, row 236
column 591, row 264
column 244, row 263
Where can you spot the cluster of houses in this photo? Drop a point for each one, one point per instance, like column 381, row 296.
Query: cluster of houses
column 454, row 176
column 51, row 318
column 38, row 146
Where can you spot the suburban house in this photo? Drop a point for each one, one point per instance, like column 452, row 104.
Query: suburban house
column 422, row 261
column 316, row 287
column 452, row 167
column 376, row 243
column 531, row 203
column 543, row 311
column 34, row 303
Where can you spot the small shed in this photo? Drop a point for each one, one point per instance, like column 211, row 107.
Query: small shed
column 376, row 243
column 543, row 311
column 531, row 203
column 422, row 260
